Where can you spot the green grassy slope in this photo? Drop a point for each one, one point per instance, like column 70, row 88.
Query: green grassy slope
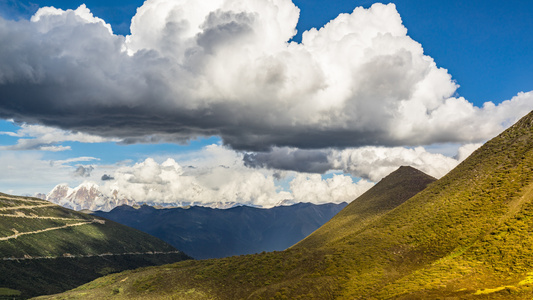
column 466, row 236
column 45, row 248
column 452, row 239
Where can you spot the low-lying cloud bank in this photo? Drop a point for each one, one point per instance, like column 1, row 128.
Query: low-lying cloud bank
column 226, row 68
column 217, row 174
column 221, row 176
column 372, row 163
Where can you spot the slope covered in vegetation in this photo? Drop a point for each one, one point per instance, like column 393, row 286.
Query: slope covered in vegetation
column 45, row 248
column 466, row 236
column 390, row 192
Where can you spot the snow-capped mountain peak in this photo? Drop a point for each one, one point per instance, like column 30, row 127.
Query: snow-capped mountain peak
column 86, row 196
column 60, row 191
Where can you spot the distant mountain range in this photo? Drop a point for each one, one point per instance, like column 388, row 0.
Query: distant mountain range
column 203, row 232
column 88, row 196
column 212, row 230
column 46, row 248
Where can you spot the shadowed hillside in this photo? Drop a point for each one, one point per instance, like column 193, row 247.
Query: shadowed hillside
column 203, row 232
column 466, row 236
column 45, row 248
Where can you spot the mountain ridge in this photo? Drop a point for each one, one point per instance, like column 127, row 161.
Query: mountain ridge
column 45, row 248
column 471, row 201
column 204, row 232
column 89, row 196
column 86, row 196
column 393, row 190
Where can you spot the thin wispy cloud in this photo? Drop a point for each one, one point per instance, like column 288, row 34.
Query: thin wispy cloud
column 38, row 137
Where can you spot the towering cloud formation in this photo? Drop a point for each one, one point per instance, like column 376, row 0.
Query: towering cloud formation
column 228, row 68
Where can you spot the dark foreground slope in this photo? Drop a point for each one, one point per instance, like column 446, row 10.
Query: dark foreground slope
column 45, row 248
column 468, row 235
column 203, row 232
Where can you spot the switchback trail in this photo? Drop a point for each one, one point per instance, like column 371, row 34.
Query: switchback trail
column 22, row 215
column 27, row 206
column 68, row 255
column 17, row 234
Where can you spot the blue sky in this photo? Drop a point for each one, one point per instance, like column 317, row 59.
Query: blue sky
column 483, row 45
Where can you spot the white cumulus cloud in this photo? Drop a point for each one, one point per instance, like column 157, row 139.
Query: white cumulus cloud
column 375, row 163
column 222, row 177
column 340, row 188
column 228, row 68
column 219, row 174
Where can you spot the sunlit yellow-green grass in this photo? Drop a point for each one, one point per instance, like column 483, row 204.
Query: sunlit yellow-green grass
column 468, row 235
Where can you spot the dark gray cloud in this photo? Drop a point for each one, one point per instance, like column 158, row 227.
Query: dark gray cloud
column 82, row 171
column 228, row 71
column 106, row 177
column 309, row 161
column 223, row 28
column 372, row 163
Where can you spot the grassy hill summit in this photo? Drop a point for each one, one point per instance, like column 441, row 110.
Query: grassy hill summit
column 466, row 236
column 387, row 194
column 45, row 248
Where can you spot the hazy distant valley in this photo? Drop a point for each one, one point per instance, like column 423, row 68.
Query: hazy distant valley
column 203, row 232
column 212, row 230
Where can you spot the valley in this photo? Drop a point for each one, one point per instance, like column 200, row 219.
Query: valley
column 203, row 232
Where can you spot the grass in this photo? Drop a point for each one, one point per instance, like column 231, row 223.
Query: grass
column 390, row 192
column 9, row 292
column 40, row 262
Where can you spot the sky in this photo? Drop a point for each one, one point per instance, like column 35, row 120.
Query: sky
column 254, row 101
